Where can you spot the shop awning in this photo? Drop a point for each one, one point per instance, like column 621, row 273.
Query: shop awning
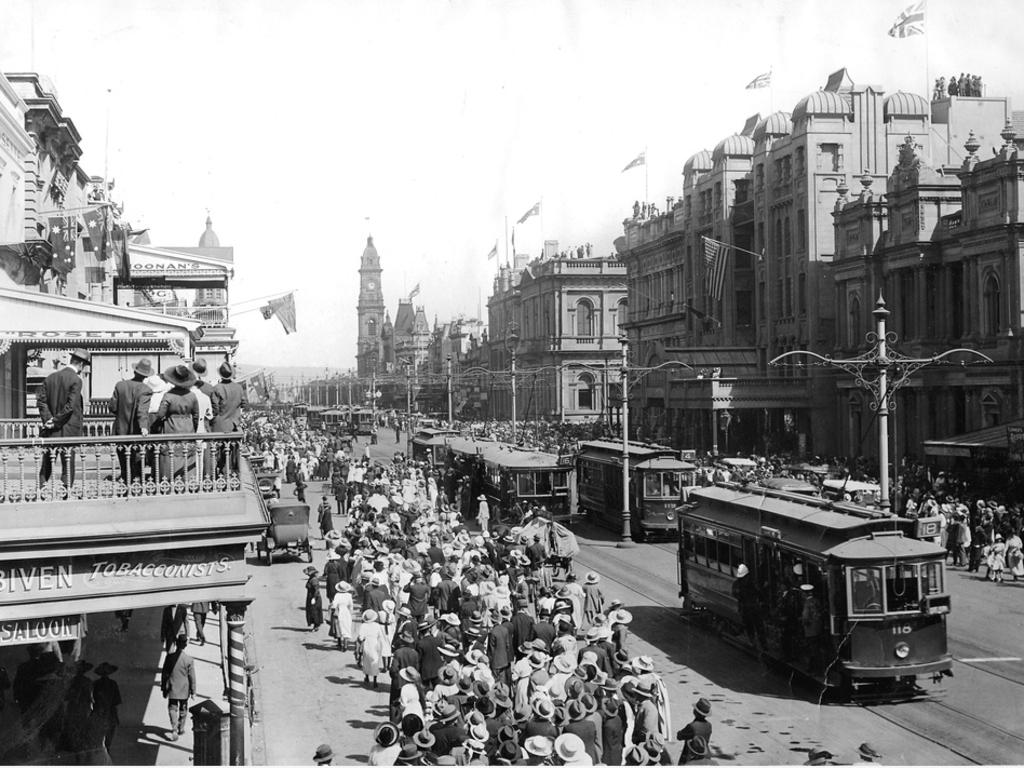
column 971, row 443
column 188, row 267
column 733, row 360
column 44, row 320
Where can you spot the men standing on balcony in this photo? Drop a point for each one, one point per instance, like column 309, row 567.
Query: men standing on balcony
column 204, row 394
column 228, row 402
column 61, row 408
column 130, row 406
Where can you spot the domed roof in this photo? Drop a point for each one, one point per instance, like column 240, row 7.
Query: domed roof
column 209, row 238
column 733, row 146
column 825, row 103
column 699, row 162
column 903, row 104
column 370, row 257
column 776, row 124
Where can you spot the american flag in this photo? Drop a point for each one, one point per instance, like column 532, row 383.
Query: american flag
column 715, row 256
column 910, row 22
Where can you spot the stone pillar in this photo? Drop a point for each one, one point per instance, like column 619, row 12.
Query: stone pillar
column 235, row 613
column 32, row 189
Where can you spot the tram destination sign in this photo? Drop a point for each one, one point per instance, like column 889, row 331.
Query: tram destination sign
column 88, row 576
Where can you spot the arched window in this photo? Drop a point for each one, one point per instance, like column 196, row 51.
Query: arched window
column 584, row 318
column 585, row 392
column 992, row 305
column 853, row 323
column 371, row 327
column 787, row 236
column 619, row 316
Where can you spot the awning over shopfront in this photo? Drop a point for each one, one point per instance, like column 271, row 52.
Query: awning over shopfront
column 47, row 321
column 973, row 444
column 734, row 361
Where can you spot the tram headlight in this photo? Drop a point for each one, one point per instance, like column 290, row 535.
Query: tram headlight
column 670, row 516
column 902, row 650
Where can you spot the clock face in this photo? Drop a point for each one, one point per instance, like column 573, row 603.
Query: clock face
column 371, row 285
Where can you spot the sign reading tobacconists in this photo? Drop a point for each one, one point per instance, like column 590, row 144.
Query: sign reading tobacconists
column 123, row 573
column 43, row 630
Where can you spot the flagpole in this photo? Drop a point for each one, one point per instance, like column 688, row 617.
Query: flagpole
column 645, row 175
column 507, row 260
column 927, row 64
column 106, row 152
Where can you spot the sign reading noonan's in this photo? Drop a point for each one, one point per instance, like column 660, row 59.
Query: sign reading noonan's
column 123, row 573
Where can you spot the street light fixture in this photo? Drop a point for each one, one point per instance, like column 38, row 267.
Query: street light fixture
column 511, row 343
column 872, row 371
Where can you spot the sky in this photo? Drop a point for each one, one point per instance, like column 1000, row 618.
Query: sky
column 305, row 125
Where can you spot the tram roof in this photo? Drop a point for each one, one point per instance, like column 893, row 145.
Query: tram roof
column 505, row 454
column 428, row 432
column 884, row 546
column 756, row 499
column 641, row 451
column 666, row 463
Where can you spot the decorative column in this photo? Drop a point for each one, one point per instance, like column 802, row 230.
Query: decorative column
column 236, row 679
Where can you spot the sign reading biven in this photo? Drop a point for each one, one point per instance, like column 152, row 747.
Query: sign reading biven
column 87, row 576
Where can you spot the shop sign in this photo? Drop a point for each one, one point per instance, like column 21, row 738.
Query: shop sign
column 123, row 573
column 1015, row 443
column 120, row 335
column 44, row 630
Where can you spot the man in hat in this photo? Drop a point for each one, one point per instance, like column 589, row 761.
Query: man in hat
column 612, row 731
column 867, row 755
column 812, row 624
column 748, row 599
column 446, row 729
column 59, row 399
column 522, row 624
column 106, row 698
column 419, row 595
column 130, row 406
column 428, row 646
column 178, row 684
column 228, row 401
column 647, row 716
column 698, row 728
column 499, row 647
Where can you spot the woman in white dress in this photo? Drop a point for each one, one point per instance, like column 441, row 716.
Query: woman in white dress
column 372, row 643
column 341, row 614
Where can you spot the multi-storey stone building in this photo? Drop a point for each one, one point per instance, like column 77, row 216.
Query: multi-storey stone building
column 562, row 316
column 769, row 192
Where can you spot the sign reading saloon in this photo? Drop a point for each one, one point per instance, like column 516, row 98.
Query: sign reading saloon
column 90, row 576
column 44, row 630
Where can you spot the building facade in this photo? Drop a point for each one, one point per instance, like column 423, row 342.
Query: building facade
column 768, row 192
column 945, row 248
column 561, row 318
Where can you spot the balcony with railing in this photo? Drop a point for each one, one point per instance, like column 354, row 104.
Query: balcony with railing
column 126, row 489
column 210, row 316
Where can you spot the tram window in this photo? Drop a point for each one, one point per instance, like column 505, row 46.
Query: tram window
column 652, row 485
column 931, row 578
column 700, row 550
column 543, row 481
column 525, row 485
column 688, row 545
column 902, row 590
column 560, row 480
column 866, row 591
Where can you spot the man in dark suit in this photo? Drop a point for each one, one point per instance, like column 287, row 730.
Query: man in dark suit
column 130, row 406
column 61, row 408
column 499, row 647
column 178, row 683
column 228, row 400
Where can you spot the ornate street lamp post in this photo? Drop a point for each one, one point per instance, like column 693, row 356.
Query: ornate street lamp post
column 511, row 342
column 627, row 533
column 882, row 372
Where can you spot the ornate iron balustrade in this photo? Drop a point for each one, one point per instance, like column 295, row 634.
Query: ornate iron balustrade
column 28, row 429
column 82, row 468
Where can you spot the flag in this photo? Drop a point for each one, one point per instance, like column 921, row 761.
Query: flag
column 532, row 212
column 284, row 308
column 761, row 81
column 119, row 251
column 494, row 251
column 63, row 238
column 910, row 22
column 715, row 256
column 513, row 243
column 640, row 159
column 414, row 292
column 96, row 224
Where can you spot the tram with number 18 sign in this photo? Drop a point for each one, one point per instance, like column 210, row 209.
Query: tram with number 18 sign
column 847, row 595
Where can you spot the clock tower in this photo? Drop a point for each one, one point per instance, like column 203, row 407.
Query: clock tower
column 370, row 309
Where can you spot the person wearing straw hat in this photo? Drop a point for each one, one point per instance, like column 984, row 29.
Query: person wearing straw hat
column 593, row 599
column 372, row 643
column 571, row 749
column 129, row 404
column 386, row 747
column 483, row 513
column 342, row 607
column 539, row 749
column 323, row 755
column 698, row 728
column 619, row 621
column 314, row 601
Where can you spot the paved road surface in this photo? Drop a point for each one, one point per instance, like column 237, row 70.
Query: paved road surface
column 313, row 693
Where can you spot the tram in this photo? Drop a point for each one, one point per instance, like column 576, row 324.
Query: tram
column 874, row 617
column 507, row 475
column 300, row 413
column 335, row 421
column 360, row 420
column 658, row 479
column 429, row 444
column 315, row 416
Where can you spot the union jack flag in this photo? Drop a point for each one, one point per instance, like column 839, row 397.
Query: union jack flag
column 910, row 22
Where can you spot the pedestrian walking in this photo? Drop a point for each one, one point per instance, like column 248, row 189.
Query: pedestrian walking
column 483, row 514
column 314, row 601
column 341, row 614
column 106, row 698
column 173, row 622
column 325, row 518
column 178, row 684
column 199, row 611
column 324, row 755
column 372, row 645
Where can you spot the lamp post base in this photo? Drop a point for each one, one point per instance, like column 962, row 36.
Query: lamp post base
column 625, row 544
